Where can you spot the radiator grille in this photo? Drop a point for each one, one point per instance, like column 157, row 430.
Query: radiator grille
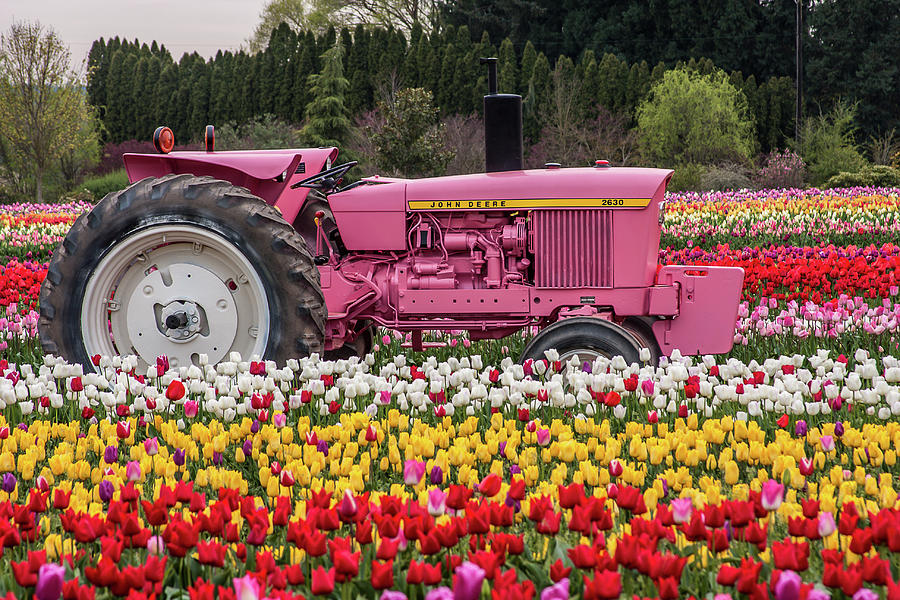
column 573, row 248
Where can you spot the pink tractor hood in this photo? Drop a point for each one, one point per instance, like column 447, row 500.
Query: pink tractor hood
column 577, row 184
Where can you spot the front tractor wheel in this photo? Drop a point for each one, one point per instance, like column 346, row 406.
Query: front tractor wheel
column 182, row 266
column 588, row 338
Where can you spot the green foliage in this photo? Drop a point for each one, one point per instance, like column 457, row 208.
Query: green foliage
column 411, row 142
column 694, row 118
column 828, row 144
column 725, row 177
column 101, row 185
column 42, row 102
column 193, row 92
column 260, row 133
column 327, row 122
column 876, row 176
column 687, row 177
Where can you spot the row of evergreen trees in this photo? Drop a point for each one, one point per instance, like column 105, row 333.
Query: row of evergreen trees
column 138, row 87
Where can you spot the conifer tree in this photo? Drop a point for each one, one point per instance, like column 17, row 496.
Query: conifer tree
column 359, row 94
column 164, row 95
column 509, row 68
column 539, row 96
column 327, row 123
column 199, row 105
column 529, row 55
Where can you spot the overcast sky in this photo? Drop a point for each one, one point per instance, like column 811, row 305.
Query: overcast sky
column 183, row 26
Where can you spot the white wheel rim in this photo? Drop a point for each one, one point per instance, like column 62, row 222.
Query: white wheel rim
column 583, row 355
column 185, row 272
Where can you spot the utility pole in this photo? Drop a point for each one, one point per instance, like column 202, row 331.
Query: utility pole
column 799, row 73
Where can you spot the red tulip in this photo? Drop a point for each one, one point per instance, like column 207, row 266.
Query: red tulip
column 322, row 581
column 606, row 585
column 490, row 485
column 382, row 574
column 175, row 390
column 615, row 467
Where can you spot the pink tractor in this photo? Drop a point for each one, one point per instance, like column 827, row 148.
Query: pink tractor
column 263, row 253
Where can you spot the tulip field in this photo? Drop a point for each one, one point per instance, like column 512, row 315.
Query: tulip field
column 458, row 473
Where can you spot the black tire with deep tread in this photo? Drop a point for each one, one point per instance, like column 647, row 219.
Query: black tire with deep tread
column 297, row 312
column 583, row 333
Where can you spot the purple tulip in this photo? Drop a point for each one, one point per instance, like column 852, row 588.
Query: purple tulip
column 437, row 475
column 254, row 428
column 467, row 582
column 557, row 591
column 23, row 426
column 392, row 595
column 440, row 593
column 111, row 455
column 586, row 367
column 322, row 446
column 800, row 428
column 247, row 447
column 513, row 469
column 9, row 482
column 50, row 581
column 839, row 429
column 179, row 457
column 501, row 447
column 865, row 594
column 106, row 490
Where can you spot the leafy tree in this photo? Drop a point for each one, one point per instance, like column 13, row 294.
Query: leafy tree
column 327, row 121
column 42, row 102
column 259, row 133
column 320, row 15
column 694, row 118
column 83, row 153
column 828, row 144
column 411, row 142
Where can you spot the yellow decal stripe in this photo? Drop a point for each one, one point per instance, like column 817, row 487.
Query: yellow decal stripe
column 528, row 203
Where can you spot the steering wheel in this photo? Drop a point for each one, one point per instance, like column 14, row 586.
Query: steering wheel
column 326, row 180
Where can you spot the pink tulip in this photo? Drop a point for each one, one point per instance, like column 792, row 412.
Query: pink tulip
column 827, row 525
column 543, row 436
column 437, row 502
column 772, row 495
column 246, row 588
column 413, row 471
column 190, row 409
column 133, row 470
column 151, row 446
column 827, row 442
column 279, row 419
column 681, row 509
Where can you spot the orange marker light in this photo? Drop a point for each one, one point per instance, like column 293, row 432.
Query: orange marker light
column 209, row 138
column 163, row 140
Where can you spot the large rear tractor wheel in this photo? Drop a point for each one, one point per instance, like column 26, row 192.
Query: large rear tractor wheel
column 182, row 266
column 586, row 337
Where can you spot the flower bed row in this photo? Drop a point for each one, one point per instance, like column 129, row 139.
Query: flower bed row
column 325, row 479
column 858, row 216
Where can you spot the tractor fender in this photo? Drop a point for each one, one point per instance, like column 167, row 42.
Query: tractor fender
column 265, row 173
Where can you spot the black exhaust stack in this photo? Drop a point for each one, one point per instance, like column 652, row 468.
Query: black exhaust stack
column 502, row 126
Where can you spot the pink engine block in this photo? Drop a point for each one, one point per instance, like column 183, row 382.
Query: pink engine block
column 490, row 252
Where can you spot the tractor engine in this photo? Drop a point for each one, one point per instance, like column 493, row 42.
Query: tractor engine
column 468, row 251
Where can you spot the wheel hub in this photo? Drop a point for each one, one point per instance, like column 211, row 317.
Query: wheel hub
column 182, row 312
column 180, row 320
